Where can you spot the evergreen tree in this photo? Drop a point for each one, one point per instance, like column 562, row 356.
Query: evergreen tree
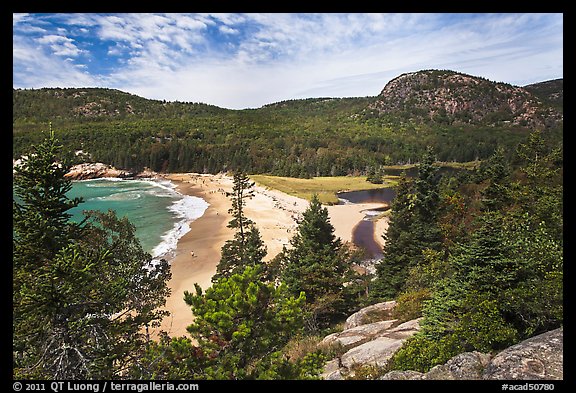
column 506, row 279
column 242, row 324
column 39, row 215
column 541, row 193
column 237, row 254
column 375, row 175
column 317, row 264
column 426, row 191
column 497, row 172
column 390, row 271
column 413, row 229
column 533, row 301
column 247, row 247
column 83, row 295
column 487, row 262
column 241, row 191
column 41, row 228
column 170, row 358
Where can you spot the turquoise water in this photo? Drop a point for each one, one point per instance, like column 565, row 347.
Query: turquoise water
column 159, row 213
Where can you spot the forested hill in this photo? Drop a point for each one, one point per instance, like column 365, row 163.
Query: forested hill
column 97, row 103
column 462, row 117
column 437, row 96
column 550, row 92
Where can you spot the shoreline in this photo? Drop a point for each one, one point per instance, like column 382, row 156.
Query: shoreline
column 198, row 252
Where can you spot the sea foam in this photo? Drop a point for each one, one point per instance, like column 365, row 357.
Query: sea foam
column 187, row 208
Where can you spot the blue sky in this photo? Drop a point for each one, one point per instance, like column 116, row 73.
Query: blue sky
column 248, row 60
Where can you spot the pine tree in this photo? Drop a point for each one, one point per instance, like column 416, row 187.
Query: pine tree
column 237, row 254
column 413, row 229
column 375, row 175
column 41, row 229
column 426, row 189
column 247, row 247
column 317, row 264
column 83, row 295
column 242, row 324
column 241, row 191
column 391, row 272
column 541, row 193
column 505, row 280
column 40, row 218
column 497, row 172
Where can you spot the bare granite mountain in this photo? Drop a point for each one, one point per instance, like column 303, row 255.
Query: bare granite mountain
column 451, row 97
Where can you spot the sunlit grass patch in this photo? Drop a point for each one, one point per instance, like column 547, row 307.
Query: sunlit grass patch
column 325, row 187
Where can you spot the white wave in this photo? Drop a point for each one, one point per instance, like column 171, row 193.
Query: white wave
column 164, row 184
column 161, row 192
column 187, row 208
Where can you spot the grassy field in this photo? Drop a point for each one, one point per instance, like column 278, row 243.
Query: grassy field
column 325, row 187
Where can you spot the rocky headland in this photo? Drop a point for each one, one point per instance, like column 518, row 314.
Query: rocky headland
column 96, row 170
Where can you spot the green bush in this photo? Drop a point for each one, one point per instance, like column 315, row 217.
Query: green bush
column 409, row 304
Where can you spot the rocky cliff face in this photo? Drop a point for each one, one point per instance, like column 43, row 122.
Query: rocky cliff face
column 370, row 337
column 451, row 97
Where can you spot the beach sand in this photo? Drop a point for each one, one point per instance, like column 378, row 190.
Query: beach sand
column 274, row 213
column 198, row 251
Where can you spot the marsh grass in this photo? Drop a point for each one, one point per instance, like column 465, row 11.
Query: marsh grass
column 325, row 187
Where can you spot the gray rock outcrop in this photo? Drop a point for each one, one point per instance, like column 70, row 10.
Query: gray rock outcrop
column 370, row 338
column 376, row 312
column 95, row 171
column 537, row 358
column 381, row 347
column 465, row 366
column 357, row 335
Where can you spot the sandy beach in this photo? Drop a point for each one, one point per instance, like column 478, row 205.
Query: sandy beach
column 198, row 251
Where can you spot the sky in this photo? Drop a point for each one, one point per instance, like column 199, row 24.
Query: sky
column 249, row 60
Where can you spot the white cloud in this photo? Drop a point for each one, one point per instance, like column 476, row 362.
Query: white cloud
column 17, row 18
column 188, row 22
column 291, row 57
column 60, row 45
column 227, row 30
column 33, row 68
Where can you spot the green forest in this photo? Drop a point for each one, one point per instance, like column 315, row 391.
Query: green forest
column 297, row 138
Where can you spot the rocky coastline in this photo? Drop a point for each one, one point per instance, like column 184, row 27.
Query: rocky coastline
column 98, row 170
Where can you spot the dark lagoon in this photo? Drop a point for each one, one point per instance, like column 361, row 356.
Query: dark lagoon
column 379, row 195
column 363, row 235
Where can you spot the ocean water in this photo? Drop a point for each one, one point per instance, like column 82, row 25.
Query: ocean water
column 159, row 212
